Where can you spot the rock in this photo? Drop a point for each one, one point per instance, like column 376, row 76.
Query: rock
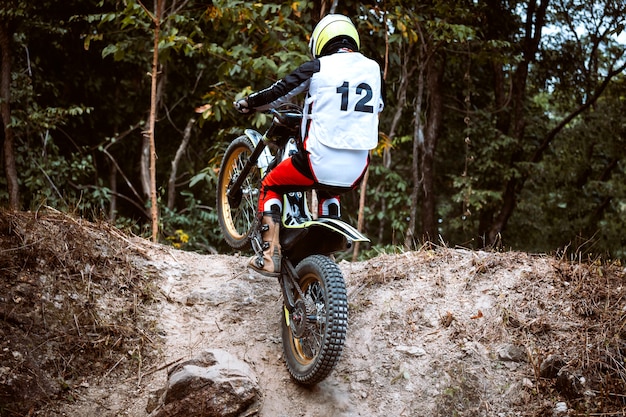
column 560, row 408
column 154, row 399
column 511, row 353
column 411, row 350
column 527, row 383
column 551, row 366
column 213, row 384
column 201, row 297
column 570, row 383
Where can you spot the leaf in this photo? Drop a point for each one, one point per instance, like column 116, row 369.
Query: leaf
column 109, row 50
column 202, row 176
column 203, row 108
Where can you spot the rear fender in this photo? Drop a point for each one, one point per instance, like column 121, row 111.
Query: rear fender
column 337, row 226
column 321, row 236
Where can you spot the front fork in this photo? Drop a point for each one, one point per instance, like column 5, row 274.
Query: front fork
column 296, row 314
column 261, row 157
column 288, row 280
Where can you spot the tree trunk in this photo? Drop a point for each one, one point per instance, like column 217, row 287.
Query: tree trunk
column 361, row 215
column 154, row 210
column 386, row 152
column 171, row 184
column 148, row 155
column 418, row 144
column 113, row 187
column 144, row 163
column 10, row 168
column 535, row 20
column 145, row 149
column 434, row 76
column 401, row 94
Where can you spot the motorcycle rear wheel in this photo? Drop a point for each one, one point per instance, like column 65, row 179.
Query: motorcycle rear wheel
column 315, row 332
column 238, row 222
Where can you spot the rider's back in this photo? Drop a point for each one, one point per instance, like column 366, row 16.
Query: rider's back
column 343, row 102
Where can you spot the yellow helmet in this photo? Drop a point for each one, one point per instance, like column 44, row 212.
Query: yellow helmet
column 330, row 27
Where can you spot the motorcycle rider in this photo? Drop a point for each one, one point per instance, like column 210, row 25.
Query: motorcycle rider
column 339, row 128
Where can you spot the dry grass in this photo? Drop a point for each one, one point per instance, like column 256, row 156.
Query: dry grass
column 70, row 306
column 575, row 314
column 570, row 317
column 598, row 294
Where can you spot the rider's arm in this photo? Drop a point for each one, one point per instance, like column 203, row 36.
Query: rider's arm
column 285, row 89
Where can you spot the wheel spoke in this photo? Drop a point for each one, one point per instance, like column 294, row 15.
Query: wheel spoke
column 311, row 341
column 311, row 345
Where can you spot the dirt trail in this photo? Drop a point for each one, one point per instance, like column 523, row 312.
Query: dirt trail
column 424, row 334
column 91, row 320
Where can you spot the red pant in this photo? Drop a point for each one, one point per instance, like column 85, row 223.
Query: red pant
column 285, row 177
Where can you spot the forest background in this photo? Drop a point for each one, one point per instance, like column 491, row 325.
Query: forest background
column 504, row 126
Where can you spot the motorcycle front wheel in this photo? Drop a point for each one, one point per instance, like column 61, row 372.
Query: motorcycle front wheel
column 314, row 333
column 237, row 217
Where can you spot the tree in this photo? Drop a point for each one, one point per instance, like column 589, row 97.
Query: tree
column 487, row 103
column 26, row 114
column 513, row 120
column 227, row 45
column 5, row 108
column 156, row 20
column 421, row 41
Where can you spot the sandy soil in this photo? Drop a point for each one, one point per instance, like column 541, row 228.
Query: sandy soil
column 426, row 334
column 92, row 319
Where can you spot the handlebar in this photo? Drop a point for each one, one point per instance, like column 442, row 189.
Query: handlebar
column 289, row 116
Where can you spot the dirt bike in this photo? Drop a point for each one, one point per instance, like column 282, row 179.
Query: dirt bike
column 315, row 307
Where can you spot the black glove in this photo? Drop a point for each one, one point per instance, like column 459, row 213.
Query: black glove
column 241, row 106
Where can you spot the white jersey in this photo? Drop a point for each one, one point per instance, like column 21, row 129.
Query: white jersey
column 340, row 123
column 341, row 117
column 344, row 101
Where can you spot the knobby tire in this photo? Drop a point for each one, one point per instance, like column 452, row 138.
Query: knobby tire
column 312, row 357
column 238, row 223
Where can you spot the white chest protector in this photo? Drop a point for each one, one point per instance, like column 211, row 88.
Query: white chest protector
column 344, row 101
column 340, row 123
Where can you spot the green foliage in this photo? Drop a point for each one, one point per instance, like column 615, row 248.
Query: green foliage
column 193, row 228
column 254, row 44
column 577, row 197
column 49, row 178
column 80, row 88
column 389, row 205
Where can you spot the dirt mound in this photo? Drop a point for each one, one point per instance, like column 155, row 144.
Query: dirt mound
column 71, row 305
column 92, row 319
column 498, row 334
